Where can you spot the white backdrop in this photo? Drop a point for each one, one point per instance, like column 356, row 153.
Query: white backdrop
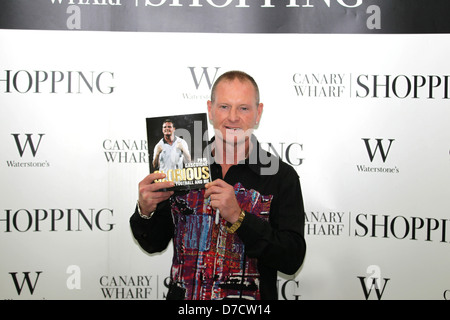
column 72, row 155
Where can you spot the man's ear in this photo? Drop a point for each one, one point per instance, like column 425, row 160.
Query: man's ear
column 259, row 113
column 209, row 103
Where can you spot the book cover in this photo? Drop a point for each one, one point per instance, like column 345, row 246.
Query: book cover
column 177, row 146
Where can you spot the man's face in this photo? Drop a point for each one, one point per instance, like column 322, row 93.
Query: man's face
column 168, row 128
column 234, row 112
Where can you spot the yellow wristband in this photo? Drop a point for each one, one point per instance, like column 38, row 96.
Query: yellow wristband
column 237, row 224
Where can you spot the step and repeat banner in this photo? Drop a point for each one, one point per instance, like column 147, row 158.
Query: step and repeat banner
column 357, row 100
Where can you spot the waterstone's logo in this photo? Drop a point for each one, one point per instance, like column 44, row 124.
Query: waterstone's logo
column 202, row 79
column 373, row 283
column 377, row 150
column 26, row 282
column 27, row 145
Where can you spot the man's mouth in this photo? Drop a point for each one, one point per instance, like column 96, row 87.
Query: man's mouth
column 232, row 129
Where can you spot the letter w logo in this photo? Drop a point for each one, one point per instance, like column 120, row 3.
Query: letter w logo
column 28, row 141
column 373, row 285
column 26, row 278
column 204, row 74
column 379, row 146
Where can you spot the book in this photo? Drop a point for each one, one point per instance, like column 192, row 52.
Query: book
column 177, row 146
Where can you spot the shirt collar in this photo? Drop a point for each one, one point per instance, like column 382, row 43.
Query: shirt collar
column 164, row 140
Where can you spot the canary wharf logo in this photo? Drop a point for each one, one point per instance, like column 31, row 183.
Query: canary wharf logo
column 131, row 287
column 318, row 85
column 326, row 223
column 125, row 150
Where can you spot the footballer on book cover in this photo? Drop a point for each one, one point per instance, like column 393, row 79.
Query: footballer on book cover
column 177, row 146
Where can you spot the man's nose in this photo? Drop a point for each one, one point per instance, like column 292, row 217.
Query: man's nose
column 233, row 115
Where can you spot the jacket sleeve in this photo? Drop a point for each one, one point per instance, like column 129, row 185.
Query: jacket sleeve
column 154, row 234
column 278, row 243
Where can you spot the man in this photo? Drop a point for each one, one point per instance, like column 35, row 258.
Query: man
column 171, row 151
column 261, row 209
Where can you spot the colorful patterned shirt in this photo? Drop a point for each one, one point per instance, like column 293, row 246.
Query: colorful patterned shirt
column 209, row 262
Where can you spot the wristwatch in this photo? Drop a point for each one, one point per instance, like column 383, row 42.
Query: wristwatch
column 237, row 224
column 143, row 216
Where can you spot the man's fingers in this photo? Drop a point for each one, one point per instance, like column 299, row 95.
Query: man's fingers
column 149, row 191
column 161, row 195
column 214, row 187
column 154, row 187
column 213, row 190
column 148, row 184
column 152, row 177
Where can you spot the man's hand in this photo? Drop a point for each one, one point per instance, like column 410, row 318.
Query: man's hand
column 223, row 198
column 149, row 196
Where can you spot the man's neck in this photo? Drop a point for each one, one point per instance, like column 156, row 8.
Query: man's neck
column 228, row 154
column 169, row 139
